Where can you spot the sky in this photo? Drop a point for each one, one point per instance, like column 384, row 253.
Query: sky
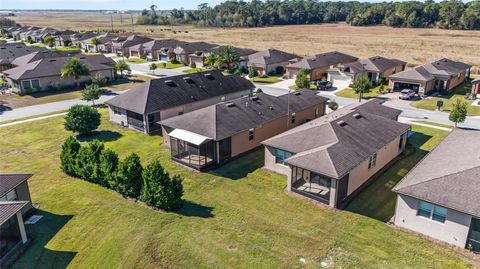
column 102, row 4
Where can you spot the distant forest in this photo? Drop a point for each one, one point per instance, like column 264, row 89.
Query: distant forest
column 452, row 14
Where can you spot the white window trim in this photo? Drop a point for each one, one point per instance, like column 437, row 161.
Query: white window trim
column 431, row 213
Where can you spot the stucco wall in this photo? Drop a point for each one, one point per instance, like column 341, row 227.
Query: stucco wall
column 454, row 231
column 456, row 80
column 275, row 167
column 23, row 194
column 476, row 88
column 361, row 173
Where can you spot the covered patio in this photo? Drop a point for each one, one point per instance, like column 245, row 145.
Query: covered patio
column 192, row 149
column 312, row 185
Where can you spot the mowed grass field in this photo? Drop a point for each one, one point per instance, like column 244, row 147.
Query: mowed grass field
column 415, row 46
column 237, row 216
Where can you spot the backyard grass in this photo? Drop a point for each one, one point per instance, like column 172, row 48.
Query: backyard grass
column 237, row 216
column 350, row 93
column 266, row 80
column 170, row 65
column 194, row 70
column 430, row 103
column 377, row 200
column 15, row 101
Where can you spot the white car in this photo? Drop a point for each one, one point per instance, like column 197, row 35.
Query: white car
column 407, row 94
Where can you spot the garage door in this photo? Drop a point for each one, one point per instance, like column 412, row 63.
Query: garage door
column 340, row 82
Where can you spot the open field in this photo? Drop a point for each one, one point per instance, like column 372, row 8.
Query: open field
column 236, row 216
column 412, row 45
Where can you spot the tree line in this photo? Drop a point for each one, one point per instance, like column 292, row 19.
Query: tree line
column 450, row 14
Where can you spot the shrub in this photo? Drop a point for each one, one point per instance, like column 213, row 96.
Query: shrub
column 159, row 190
column 129, row 177
column 174, row 60
column 193, row 65
column 99, row 80
column 333, row 105
column 108, row 167
column 88, row 162
column 68, row 155
column 252, row 71
column 82, row 119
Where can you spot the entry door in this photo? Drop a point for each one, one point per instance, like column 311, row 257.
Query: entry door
column 473, row 242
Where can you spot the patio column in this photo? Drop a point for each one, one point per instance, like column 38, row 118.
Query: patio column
column 21, row 226
column 333, row 193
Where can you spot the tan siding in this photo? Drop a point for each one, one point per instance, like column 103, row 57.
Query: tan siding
column 275, row 167
column 23, row 194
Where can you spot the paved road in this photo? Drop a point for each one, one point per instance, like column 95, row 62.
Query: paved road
column 161, row 72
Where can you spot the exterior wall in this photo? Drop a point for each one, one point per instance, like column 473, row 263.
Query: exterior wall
column 271, row 165
column 23, row 194
column 292, row 72
column 476, row 88
column 454, row 231
column 361, row 173
column 455, row 81
column 320, row 73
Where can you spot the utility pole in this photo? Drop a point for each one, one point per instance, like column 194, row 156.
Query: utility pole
column 111, row 21
column 131, row 17
column 121, row 19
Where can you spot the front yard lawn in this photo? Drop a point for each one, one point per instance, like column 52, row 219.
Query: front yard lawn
column 15, row 101
column 194, row 70
column 236, row 216
column 378, row 200
column 350, row 93
column 430, row 103
column 169, row 65
column 266, row 80
column 136, row 60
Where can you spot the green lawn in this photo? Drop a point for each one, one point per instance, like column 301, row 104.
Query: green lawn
column 266, row 80
column 430, row 103
column 65, row 48
column 377, row 200
column 435, row 124
column 349, row 93
column 312, row 87
column 194, row 70
column 237, row 216
column 169, row 65
column 136, row 60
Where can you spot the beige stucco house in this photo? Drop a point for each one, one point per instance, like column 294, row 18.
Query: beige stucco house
column 332, row 158
column 271, row 61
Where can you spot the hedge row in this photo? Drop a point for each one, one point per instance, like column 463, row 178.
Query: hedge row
column 95, row 163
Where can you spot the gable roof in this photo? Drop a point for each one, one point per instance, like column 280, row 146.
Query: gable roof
column 11, row 51
column 46, row 54
column 158, row 44
column 380, row 64
column 449, row 175
column 131, row 41
column 335, row 144
column 271, row 56
column 9, row 209
column 323, row 60
column 10, row 181
column 162, row 93
column 225, row 119
column 440, row 68
column 189, row 48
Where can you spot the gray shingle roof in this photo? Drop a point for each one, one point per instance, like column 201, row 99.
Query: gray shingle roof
column 9, row 209
column 159, row 94
column 380, row 64
column 449, row 175
column 9, row 181
column 323, row 60
column 38, row 55
column 327, row 147
column 189, row 48
column 429, row 71
column 271, row 56
column 226, row 119
column 11, row 51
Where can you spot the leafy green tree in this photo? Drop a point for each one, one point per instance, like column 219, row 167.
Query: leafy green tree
column 211, row 60
column 121, row 67
column 361, row 86
column 99, row 80
column 75, row 68
column 252, row 71
column 159, row 190
column 91, row 93
column 108, row 167
column 87, row 164
column 153, row 67
column 129, row 178
column 302, row 80
column 227, row 56
column 459, row 112
column 96, row 42
column 82, row 119
column 68, row 155
column 49, row 41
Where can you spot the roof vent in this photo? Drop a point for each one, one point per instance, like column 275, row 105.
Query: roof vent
column 230, row 104
column 341, row 123
column 254, row 98
column 209, row 76
column 188, row 80
column 357, row 115
column 193, row 98
column 83, row 58
column 170, row 83
column 270, row 107
column 297, row 93
column 52, row 60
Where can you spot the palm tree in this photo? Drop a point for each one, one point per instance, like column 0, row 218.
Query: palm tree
column 153, row 14
column 228, row 56
column 95, row 41
column 211, row 59
column 75, row 68
column 121, row 66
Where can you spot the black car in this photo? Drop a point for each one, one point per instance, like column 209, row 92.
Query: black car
column 323, row 85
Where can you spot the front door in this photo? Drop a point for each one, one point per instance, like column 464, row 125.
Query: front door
column 473, row 242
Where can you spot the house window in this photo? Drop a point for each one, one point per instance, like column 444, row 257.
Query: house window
column 372, row 161
column 400, row 144
column 10, row 196
column 251, row 134
column 433, row 212
column 294, row 116
column 316, row 112
column 26, row 84
column 116, row 110
column 35, row 84
column 281, row 156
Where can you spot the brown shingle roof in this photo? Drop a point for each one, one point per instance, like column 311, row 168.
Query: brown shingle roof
column 10, row 181
column 323, row 60
column 9, row 209
column 270, row 56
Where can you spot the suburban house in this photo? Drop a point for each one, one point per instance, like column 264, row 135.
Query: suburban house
column 155, row 49
column 199, row 57
column 374, row 68
column 10, row 51
column 37, row 36
column 77, row 38
column 439, row 197
column 218, row 133
column 44, row 54
column 271, row 61
column 332, row 158
column 120, row 45
column 319, row 64
column 184, row 52
column 158, row 99
column 64, row 38
column 436, row 76
column 105, row 45
column 15, row 204
column 19, row 33
column 476, row 86
column 45, row 73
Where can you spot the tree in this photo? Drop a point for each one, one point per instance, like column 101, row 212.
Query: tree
column 108, row 167
column 211, row 59
column 68, row 155
column 49, row 41
column 153, row 67
column 75, row 68
column 82, row 119
column 153, row 14
column 228, row 56
column 459, row 112
column 361, row 86
column 91, row 93
column 252, row 71
column 159, row 190
column 87, row 164
column 333, row 105
column 96, row 42
column 129, row 178
column 99, row 80
column 121, row 66
column 302, row 80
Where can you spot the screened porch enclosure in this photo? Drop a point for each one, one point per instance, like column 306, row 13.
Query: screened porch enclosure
column 191, row 149
column 312, row 185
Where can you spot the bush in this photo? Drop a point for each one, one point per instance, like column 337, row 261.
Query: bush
column 193, row 65
column 174, row 60
column 82, row 119
column 87, row 164
column 108, row 167
column 302, row 80
column 99, row 80
column 68, row 155
column 129, row 177
column 252, row 71
column 159, row 190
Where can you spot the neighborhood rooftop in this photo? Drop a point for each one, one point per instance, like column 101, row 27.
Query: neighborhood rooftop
column 323, row 59
column 271, row 56
column 426, row 72
column 10, row 51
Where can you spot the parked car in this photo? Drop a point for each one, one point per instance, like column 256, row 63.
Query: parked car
column 407, row 94
column 323, row 85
